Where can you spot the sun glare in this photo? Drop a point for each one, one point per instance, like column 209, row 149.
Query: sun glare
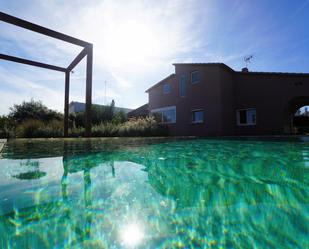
column 130, row 38
column 131, row 235
column 130, row 43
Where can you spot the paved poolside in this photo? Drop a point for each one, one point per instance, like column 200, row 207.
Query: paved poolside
column 2, row 142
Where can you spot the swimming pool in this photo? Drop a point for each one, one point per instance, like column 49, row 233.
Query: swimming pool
column 154, row 193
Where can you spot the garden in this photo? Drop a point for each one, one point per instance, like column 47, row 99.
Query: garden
column 33, row 119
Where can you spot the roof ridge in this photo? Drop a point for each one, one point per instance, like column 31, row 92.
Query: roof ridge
column 280, row 73
column 173, row 74
column 207, row 64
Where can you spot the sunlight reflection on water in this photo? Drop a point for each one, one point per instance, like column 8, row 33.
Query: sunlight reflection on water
column 131, row 234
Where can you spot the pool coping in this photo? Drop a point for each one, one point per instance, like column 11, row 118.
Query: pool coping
column 301, row 138
column 2, row 143
column 96, row 138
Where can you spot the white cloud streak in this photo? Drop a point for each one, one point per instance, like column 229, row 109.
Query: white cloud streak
column 132, row 39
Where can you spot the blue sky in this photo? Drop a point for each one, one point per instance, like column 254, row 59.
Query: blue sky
column 136, row 42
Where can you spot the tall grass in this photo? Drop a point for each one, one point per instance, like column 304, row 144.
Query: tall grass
column 135, row 127
column 142, row 127
column 33, row 128
column 148, row 126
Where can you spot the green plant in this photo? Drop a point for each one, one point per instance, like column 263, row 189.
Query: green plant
column 53, row 128
column 76, row 132
column 35, row 128
column 6, row 127
column 34, row 110
column 119, row 117
column 134, row 127
column 105, row 130
column 147, row 126
column 28, row 127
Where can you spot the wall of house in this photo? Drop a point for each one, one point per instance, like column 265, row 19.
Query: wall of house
column 227, row 100
column 270, row 94
column 203, row 95
column 222, row 91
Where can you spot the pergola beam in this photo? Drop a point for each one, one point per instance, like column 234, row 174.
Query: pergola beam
column 77, row 59
column 31, row 63
column 42, row 30
column 87, row 51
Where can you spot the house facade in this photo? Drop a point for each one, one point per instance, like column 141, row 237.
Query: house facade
column 211, row 99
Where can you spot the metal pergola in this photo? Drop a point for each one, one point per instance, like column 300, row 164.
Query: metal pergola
column 87, row 51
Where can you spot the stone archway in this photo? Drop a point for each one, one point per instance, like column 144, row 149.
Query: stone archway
column 293, row 105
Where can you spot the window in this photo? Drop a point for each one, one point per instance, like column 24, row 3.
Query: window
column 166, row 115
column 246, row 116
column 169, row 116
column 195, row 77
column 197, row 116
column 166, row 88
column 182, row 86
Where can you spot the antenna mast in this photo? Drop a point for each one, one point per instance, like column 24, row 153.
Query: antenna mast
column 104, row 92
column 247, row 59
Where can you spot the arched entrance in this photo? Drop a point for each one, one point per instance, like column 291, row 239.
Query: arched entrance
column 297, row 121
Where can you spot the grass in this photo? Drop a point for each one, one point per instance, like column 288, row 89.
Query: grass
column 136, row 127
column 36, row 128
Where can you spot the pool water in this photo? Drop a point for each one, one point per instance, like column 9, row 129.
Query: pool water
column 154, row 193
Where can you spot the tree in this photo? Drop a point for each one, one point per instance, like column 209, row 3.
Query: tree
column 33, row 110
column 100, row 114
column 119, row 117
column 5, row 127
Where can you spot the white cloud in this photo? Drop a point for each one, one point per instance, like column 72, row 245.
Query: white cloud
column 135, row 42
column 122, row 82
column 17, row 88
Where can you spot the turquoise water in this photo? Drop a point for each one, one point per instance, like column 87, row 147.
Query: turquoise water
column 154, row 193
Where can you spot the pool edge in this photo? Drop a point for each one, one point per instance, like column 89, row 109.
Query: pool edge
column 2, row 143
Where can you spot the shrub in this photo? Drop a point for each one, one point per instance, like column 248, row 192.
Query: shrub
column 28, row 127
column 34, row 110
column 35, row 128
column 99, row 114
column 105, row 130
column 53, row 128
column 134, row 127
column 6, row 127
column 147, row 126
column 77, row 132
column 119, row 117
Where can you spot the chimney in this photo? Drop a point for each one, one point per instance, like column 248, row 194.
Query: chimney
column 245, row 70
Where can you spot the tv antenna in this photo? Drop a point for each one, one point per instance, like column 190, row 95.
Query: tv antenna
column 105, row 92
column 247, row 59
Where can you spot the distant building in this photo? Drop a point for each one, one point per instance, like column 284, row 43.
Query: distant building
column 75, row 107
column 141, row 111
column 211, row 99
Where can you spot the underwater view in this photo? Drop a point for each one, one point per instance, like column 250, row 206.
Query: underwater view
column 154, row 193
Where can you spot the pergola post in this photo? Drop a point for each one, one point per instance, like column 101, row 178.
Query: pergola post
column 88, row 92
column 66, row 104
column 87, row 50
